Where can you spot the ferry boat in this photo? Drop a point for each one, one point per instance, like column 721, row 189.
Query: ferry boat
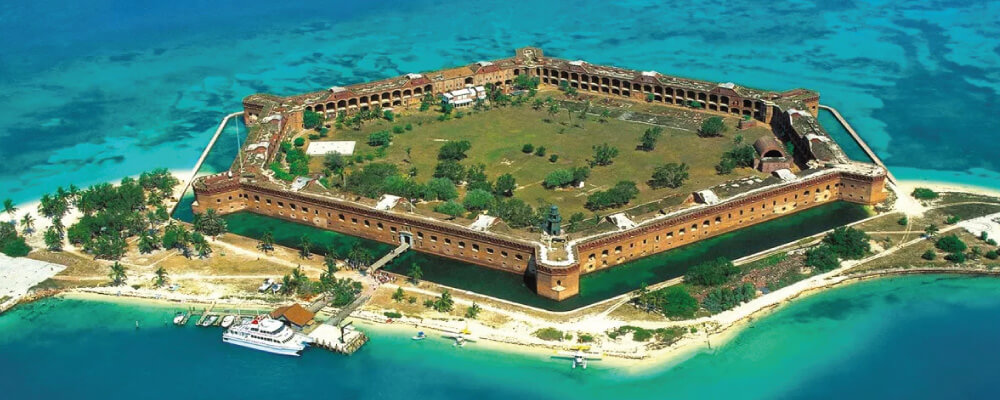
column 267, row 335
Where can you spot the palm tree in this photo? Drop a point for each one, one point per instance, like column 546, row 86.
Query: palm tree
column 147, row 243
column 605, row 115
column 266, row 242
column 117, row 274
column 330, row 260
column 287, row 285
column 28, row 223
column 202, row 248
column 161, row 276
column 415, row 274
column 9, row 208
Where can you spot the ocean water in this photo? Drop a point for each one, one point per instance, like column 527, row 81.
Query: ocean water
column 93, row 91
column 911, row 337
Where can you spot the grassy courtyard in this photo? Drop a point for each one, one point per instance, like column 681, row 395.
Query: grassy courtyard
column 498, row 135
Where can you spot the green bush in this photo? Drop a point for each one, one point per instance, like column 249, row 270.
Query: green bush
column 550, row 334
column 299, row 142
column 553, row 158
column 408, row 127
column 951, row 244
column 722, row 299
column 540, row 151
column 955, row 257
column 992, row 255
column 380, row 138
column 822, row 258
column 398, row 129
column 711, row 273
column 929, row 255
column 712, row 126
column 924, row 194
column 393, row 314
column 528, row 148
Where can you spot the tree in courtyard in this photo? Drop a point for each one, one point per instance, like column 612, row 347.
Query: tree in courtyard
column 604, row 154
column 335, row 162
column 311, row 119
column 305, row 246
column 454, row 150
column 649, row 138
column 605, row 115
column 266, row 242
column 670, row 175
column 528, row 148
column 553, row 109
column 478, row 199
column 712, row 126
column 450, row 208
column 161, row 276
column 473, row 311
column 415, row 273
column 505, row 185
column 53, row 239
column 117, row 274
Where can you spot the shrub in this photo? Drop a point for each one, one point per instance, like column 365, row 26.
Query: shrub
column 670, row 175
column 951, row 244
column 398, row 129
column 711, row 273
column 992, row 255
column 450, row 169
column 540, row 151
column 478, row 199
column 822, row 258
column 929, row 255
column 558, row 178
column 604, row 154
column 299, row 142
column 903, row 221
column 955, row 257
column 380, row 138
column 713, row 126
column 722, row 299
column 585, row 338
column 924, row 194
column 849, row 243
column 393, row 314
column 408, row 127
column 551, row 334
column 553, row 158
column 451, row 208
column 454, row 150
column 528, row 148
column 515, row 212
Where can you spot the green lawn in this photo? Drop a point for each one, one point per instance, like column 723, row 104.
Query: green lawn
column 498, row 135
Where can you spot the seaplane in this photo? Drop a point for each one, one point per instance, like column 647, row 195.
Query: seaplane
column 461, row 337
column 579, row 357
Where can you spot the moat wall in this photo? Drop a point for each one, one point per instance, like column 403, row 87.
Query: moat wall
column 228, row 195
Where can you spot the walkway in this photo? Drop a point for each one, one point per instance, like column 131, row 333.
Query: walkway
column 389, row 257
column 861, row 142
column 204, row 155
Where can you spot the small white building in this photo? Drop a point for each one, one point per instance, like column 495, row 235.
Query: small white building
column 464, row 97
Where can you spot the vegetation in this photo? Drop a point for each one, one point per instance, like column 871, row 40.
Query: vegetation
column 621, row 194
column 924, row 194
column 451, row 208
column 822, row 257
column 415, row 273
column 454, row 150
column 311, row 119
column 12, row 244
column 649, row 138
column 673, row 301
column 478, row 199
column 117, row 274
column 848, row 243
column 663, row 335
column 711, row 273
column 604, row 154
column 741, row 155
column 951, row 244
column 670, row 175
column 712, row 126
column 515, row 212
column 444, row 303
column 566, row 177
column 929, row 255
column 209, row 223
column 473, row 311
column 721, row 299
column 550, row 334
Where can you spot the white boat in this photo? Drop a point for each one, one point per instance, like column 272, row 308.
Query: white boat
column 267, row 335
column 227, row 321
column 210, row 320
column 266, row 285
column 420, row 336
column 178, row 319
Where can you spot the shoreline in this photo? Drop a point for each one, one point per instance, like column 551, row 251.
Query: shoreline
column 948, row 187
column 644, row 361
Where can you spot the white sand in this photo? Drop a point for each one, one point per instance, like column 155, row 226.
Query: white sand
column 17, row 275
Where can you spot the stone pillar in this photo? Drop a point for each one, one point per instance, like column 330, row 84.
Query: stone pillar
column 557, row 283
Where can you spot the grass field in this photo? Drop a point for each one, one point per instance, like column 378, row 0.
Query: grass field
column 497, row 137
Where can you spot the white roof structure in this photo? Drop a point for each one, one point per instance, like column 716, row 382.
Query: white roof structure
column 337, row 89
column 622, row 221
column 577, row 62
column 387, row 202
column 785, row 174
column 323, row 148
column 482, row 223
column 300, row 182
column 269, row 118
column 650, row 73
column 727, row 85
column 484, row 63
column 413, row 76
column 465, row 96
column 707, row 196
column 258, row 145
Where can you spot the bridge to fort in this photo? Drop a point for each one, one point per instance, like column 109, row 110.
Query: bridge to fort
column 389, row 257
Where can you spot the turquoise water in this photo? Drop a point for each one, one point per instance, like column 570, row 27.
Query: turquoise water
column 91, row 92
column 912, row 337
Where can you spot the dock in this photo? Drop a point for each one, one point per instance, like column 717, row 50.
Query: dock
column 861, row 142
column 338, row 339
column 389, row 257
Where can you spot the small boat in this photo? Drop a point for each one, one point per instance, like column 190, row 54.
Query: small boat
column 137, row 324
column 178, row 319
column 420, row 336
column 228, row 320
column 210, row 320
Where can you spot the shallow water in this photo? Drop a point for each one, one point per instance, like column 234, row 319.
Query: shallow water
column 911, row 337
column 91, row 92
